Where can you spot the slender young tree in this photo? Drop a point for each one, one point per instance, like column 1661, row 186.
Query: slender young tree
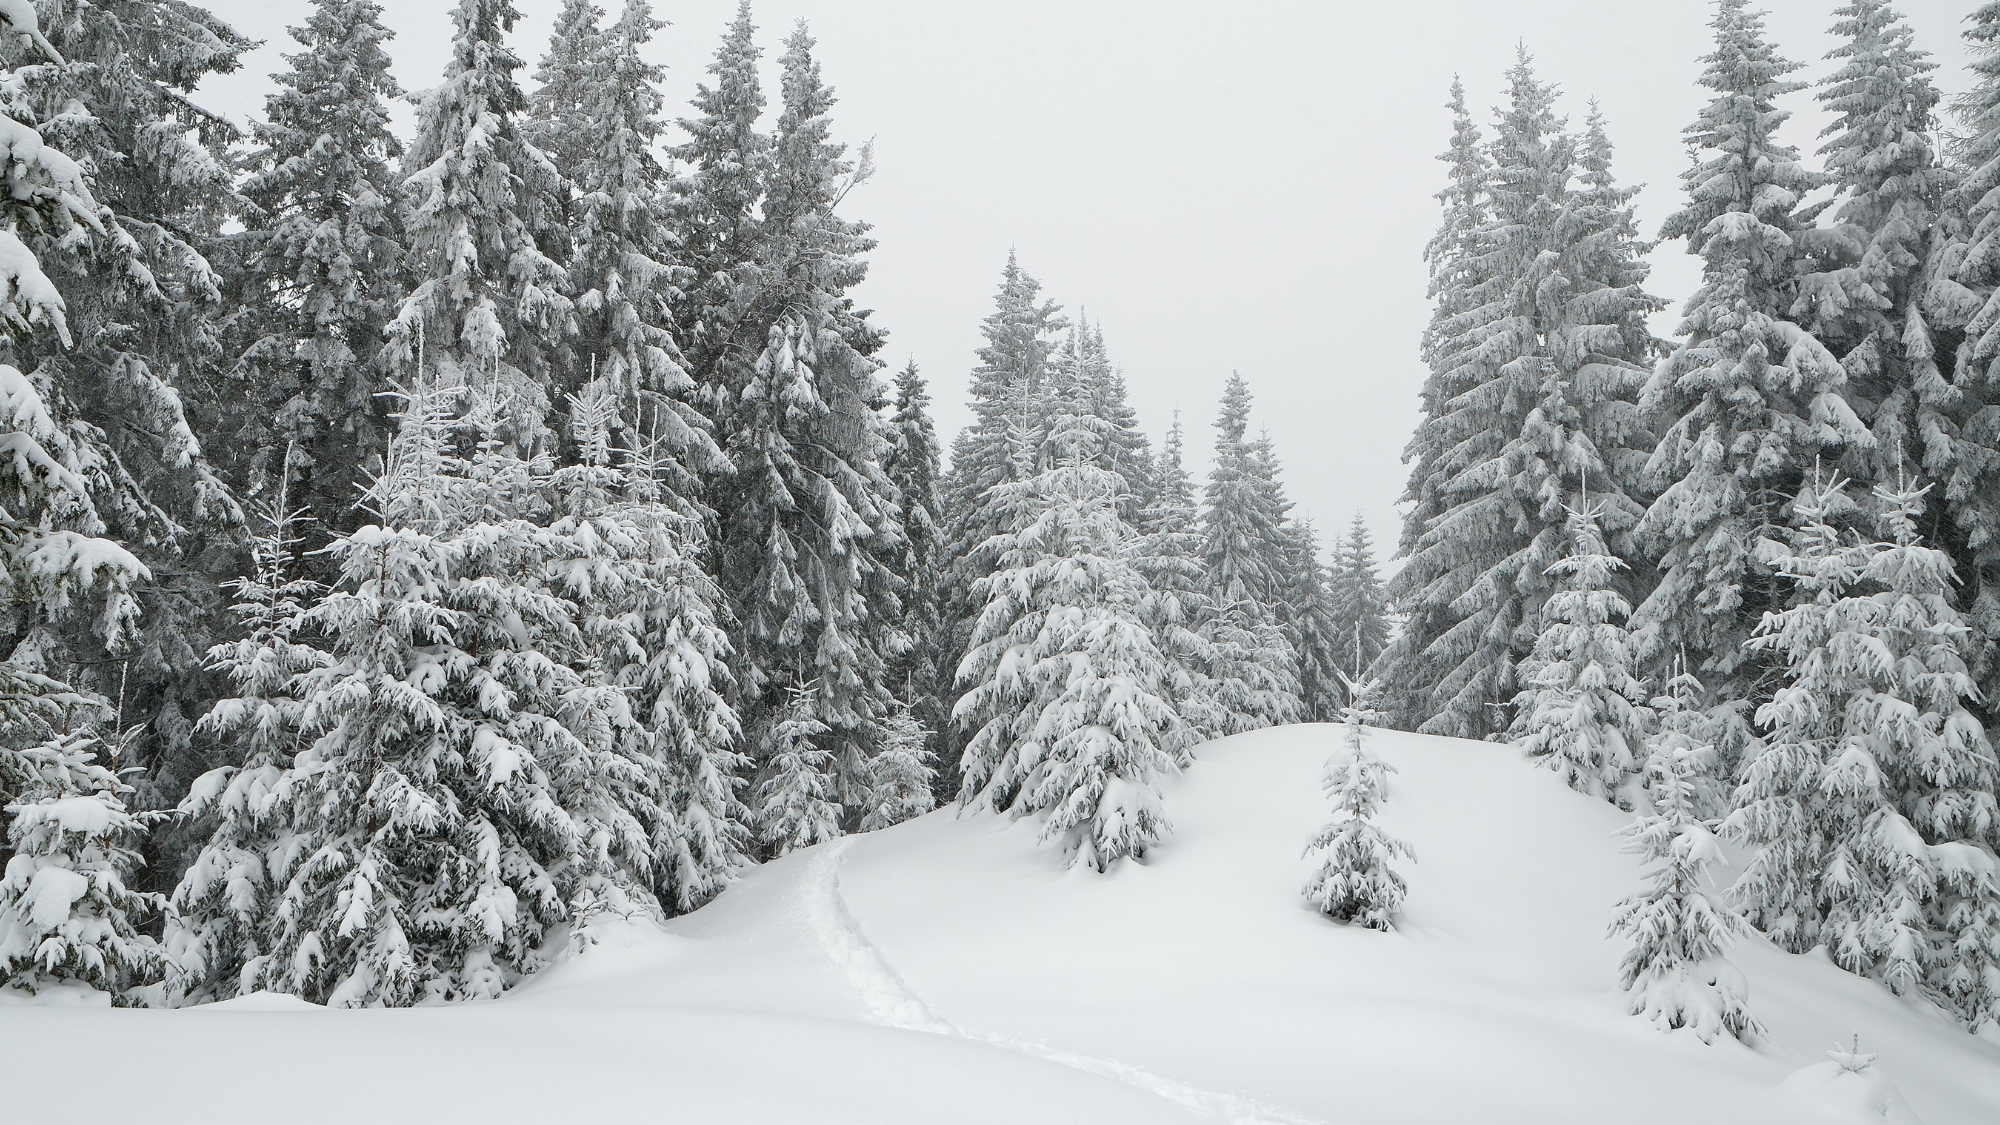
column 900, row 776
column 798, row 801
column 1675, row 974
column 1352, row 880
column 216, row 930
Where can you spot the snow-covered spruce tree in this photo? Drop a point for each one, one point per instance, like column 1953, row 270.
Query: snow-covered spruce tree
column 1007, row 387
column 1168, row 555
column 716, row 213
column 900, row 775
column 1964, row 290
column 1012, row 375
column 1871, row 807
column 1865, row 300
column 144, row 308
column 487, row 303
column 808, row 520
column 1064, row 681
column 1422, row 596
column 570, row 79
column 1543, row 367
column 1582, row 712
column 1352, row 880
column 216, row 931
column 798, row 800
column 460, row 811
column 1248, row 553
column 649, row 615
column 916, row 669
column 1357, row 602
column 67, row 919
column 599, row 108
column 1305, row 614
column 1675, row 974
column 1082, row 380
column 318, row 267
column 1748, row 400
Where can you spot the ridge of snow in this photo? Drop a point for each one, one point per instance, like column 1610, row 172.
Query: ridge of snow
column 951, row 969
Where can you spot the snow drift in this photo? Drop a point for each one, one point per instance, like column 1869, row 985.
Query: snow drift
column 949, row 969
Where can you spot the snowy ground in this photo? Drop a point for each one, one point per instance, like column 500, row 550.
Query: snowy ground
column 949, row 970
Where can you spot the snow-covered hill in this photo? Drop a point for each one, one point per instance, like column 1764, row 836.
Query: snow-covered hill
column 949, row 970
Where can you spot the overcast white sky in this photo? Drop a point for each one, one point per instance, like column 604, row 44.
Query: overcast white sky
column 1243, row 185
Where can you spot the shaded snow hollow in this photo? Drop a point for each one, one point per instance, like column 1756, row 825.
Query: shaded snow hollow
column 949, row 969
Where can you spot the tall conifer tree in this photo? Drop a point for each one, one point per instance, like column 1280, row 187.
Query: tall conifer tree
column 1250, row 555
column 808, row 519
column 1424, row 595
column 1964, row 291
column 599, row 106
column 321, row 254
column 1357, row 603
column 1748, row 400
column 912, row 465
column 145, row 307
column 1542, row 366
column 488, row 303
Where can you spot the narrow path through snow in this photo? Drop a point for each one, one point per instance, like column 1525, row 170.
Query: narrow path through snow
column 891, row 1001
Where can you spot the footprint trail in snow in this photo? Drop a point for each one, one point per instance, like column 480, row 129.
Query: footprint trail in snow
column 891, row 1001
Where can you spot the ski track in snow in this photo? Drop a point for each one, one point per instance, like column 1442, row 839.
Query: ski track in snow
column 891, row 1001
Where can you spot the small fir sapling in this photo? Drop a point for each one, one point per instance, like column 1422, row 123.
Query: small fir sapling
column 1675, row 973
column 1353, row 881
column 899, row 775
